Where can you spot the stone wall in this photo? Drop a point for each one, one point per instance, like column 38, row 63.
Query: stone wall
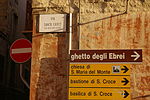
column 101, row 24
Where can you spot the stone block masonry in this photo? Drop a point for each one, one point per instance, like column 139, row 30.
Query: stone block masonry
column 97, row 24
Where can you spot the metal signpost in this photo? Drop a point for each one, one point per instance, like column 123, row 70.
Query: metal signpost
column 20, row 52
column 101, row 74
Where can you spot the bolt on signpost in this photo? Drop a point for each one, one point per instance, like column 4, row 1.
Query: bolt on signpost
column 101, row 74
column 20, row 52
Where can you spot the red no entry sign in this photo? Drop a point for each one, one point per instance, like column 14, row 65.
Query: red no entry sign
column 20, row 50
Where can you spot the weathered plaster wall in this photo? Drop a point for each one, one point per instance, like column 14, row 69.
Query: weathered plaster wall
column 111, row 28
column 50, row 55
column 49, row 64
column 103, row 24
column 123, row 32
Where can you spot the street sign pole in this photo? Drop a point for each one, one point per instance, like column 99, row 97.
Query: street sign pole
column 20, row 52
column 23, row 80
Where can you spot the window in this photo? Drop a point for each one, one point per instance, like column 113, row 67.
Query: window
column 16, row 1
column 13, row 25
column 1, row 68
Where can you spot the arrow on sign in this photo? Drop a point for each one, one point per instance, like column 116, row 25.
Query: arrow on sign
column 125, row 69
column 136, row 56
column 125, row 81
column 125, row 94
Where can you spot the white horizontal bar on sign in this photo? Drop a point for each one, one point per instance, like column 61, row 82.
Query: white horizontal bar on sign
column 21, row 50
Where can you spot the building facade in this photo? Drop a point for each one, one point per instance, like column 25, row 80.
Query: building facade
column 97, row 24
column 13, row 22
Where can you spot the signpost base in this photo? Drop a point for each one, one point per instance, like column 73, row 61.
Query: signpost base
column 23, row 80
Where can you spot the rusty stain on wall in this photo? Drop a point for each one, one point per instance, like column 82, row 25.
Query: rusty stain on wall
column 124, row 32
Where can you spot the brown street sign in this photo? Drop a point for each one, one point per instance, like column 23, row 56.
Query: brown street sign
column 106, row 56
